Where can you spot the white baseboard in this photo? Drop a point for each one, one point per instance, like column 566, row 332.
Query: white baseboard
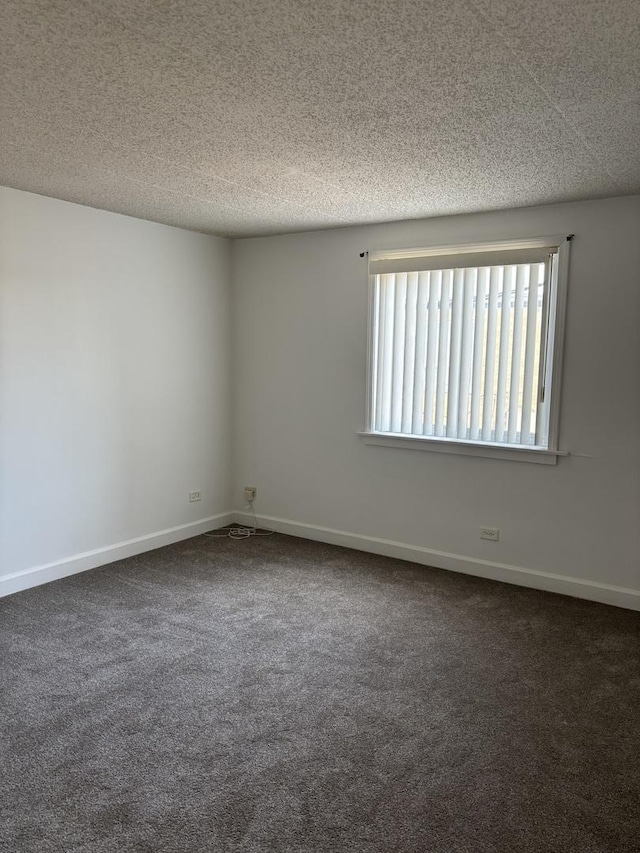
column 109, row 554
column 576, row 587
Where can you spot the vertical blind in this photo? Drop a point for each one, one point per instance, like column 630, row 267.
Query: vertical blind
column 460, row 351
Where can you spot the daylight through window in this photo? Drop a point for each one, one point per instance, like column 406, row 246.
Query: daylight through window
column 462, row 345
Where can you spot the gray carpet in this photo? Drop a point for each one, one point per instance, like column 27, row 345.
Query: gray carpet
column 276, row 694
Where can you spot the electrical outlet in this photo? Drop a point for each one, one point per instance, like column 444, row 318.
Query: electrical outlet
column 250, row 493
column 490, row 533
column 195, row 496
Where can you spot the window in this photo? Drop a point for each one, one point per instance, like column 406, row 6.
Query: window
column 465, row 346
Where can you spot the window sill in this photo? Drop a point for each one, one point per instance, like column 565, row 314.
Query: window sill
column 515, row 453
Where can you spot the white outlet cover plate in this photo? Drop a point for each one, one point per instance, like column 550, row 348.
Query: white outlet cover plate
column 490, row 533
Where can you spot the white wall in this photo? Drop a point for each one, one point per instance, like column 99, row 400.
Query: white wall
column 116, row 394
column 300, row 348
column 114, row 381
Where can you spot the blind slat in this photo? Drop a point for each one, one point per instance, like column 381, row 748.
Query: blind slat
column 435, row 292
column 479, row 351
column 398, row 351
column 466, row 351
column 503, row 353
column 453, row 387
column 493, row 322
column 420, row 352
column 388, row 301
column 516, row 355
column 530, row 349
column 443, row 350
column 409, row 352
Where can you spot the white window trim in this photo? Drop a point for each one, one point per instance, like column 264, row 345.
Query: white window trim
column 557, row 320
column 462, row 447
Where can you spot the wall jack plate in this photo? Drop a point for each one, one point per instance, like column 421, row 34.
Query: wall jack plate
column 250, row 494
column 490, row 533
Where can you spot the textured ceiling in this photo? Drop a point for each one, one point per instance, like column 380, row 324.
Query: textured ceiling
column 242, row 117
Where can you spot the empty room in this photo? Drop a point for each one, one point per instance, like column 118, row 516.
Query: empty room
column 319, row 426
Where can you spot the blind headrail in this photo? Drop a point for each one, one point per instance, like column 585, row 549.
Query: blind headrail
column 381, row 263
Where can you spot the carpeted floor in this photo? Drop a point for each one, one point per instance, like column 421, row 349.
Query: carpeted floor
column 281, row 695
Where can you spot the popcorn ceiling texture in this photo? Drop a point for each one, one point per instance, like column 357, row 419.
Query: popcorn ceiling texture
column 241, row 118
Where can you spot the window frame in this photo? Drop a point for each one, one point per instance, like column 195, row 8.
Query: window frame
column 556, row 330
